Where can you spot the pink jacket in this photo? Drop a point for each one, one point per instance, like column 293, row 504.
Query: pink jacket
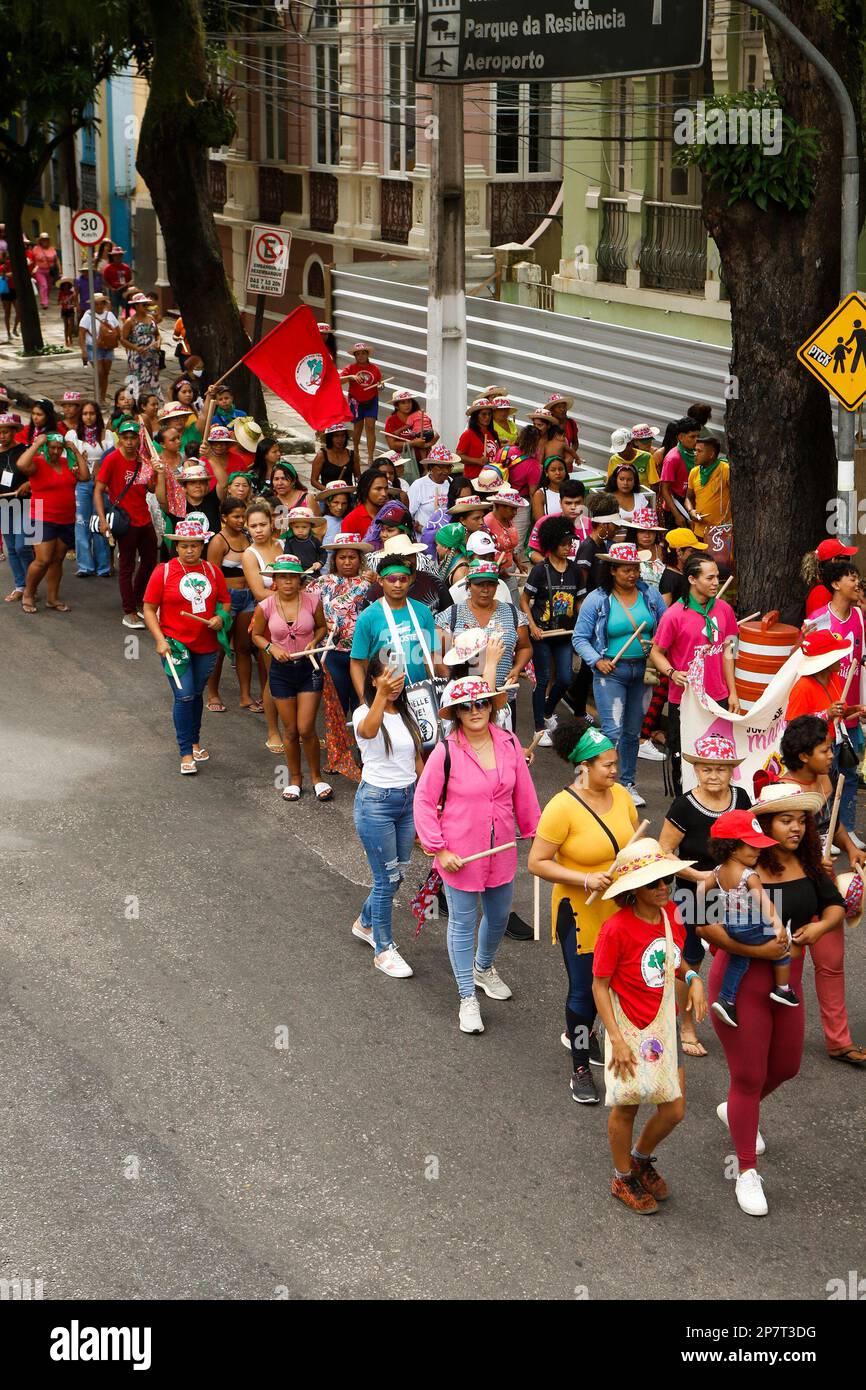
column 480, row 810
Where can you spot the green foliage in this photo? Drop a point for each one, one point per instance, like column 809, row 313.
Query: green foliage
column 47, row 350
column 748, row 170
column 214, row 121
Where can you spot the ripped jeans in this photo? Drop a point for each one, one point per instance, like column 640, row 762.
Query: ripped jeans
column 189, row 700
column 619, row 699
column 386, row 828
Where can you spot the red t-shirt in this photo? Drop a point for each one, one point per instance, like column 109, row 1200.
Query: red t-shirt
column 368, row 386
column 399, row 425
column 117, row 276
column 818, row 597
column 809, row 696
column 172, row 589
column 115, row 472
column 631, row 954
column 486, row 450
column 54, row 491
column 675, row 472
column 357, row 520
column 238, row 461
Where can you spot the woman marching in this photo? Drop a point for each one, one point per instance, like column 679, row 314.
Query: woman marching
column 580, row 833
column 475, row 792
column 390, row 746
column 686, row 831
column 343, row 593
column 226, row 551
column 637, row 957
column 53, row 469
column 257, row 559
column 287, row 624
column 140, row 337
column 186, row 604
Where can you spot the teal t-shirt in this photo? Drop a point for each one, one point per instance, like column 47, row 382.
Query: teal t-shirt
column 373, row 635
column 620, row 628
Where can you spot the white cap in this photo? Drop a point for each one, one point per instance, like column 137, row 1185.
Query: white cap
column 481, row 543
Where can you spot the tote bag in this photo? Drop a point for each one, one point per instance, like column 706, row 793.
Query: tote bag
column 655, row 1078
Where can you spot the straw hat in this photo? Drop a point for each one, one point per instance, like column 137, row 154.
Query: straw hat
column 468, row 688
column 10, row 420
column 439, row 454
column 715, row 751
column 541, row 413
column 851, row 888
column 361, row 347
column 644, row 519
column 301, row 514
column 247, row 432
column 189, row 529
column 623, row 554
column 643, row 433
column 489, row 479
column 401, row 545
column 348, row 540
column 641, row 863
column 822, row 649
column 482, row 403
column 469, row 504
column 776, row 797
column 503, row 403
column 193, row 471
column 558, row 399
column 173, row 410
column 489, row 393
column 219, row 434
column 467, row 646
column 324, row 328
column 334, row 490
column 401, row 395
column 69, row 397
column 506, row 496
column 285, row 564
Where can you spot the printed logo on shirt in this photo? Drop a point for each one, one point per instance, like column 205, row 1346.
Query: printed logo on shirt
column 365, row 378
column 200, row 518
column 652, row 963
column 308, row 373
column 196, row 587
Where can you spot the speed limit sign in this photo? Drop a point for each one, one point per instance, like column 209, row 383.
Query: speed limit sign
column 89, row 227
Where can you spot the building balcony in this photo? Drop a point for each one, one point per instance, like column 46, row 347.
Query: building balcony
column 323, row 201
column 674, row 251
column 216, row 181
column 515, row 209
column 396, row 202
column 612, row 254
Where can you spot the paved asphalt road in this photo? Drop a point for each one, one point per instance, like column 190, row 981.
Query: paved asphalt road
column 158, row 1144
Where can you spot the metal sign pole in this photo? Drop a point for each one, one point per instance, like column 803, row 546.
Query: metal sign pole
column 94, row 331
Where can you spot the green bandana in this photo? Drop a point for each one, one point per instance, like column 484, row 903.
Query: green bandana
column 250, row 477
column 687, row 456
column 452, row 536
column 707, row 471
column 179, row 655
column 224, row 611
column 589, row 746
column 71, row 460
column 704, row 609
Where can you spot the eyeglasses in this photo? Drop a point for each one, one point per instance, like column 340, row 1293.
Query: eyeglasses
column 470, row 706
column 665, row 881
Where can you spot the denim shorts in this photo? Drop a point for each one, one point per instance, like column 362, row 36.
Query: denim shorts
column 242, row 601
column 102, row 354
column 364, row 410
column 56, row 531
column 290, row 678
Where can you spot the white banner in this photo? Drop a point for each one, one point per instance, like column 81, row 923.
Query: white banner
column 757, row 735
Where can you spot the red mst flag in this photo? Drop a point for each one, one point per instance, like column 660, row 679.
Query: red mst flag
column 294, row 362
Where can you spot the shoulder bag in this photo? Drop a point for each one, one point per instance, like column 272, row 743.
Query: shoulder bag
column 118, row 518
column 655, row 1079
column 107, row 337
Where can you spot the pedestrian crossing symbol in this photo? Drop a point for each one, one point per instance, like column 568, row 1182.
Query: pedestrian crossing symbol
column 836, row 352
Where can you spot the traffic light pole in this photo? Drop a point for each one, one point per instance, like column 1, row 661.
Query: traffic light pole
column 850, row 219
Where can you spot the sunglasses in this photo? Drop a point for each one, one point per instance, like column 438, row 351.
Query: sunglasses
column 470, row 706
column 665, row 881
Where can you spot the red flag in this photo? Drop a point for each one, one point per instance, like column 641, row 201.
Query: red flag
column 294, row 362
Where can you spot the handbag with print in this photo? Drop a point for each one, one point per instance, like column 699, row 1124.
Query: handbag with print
column 654, row 1080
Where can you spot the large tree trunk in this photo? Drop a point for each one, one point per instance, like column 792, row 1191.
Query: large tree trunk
column 173, row 161
column 31, row 329
column 781, row 270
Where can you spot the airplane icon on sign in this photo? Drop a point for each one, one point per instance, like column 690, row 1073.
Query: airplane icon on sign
column 441, row 63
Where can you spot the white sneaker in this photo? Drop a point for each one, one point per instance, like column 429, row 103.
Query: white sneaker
column 636, row 796
column 391, row 963
column 132, row 620
column 750, row 1193
column 362, row 935
column 470, row 1016
column 722, row 1112
column 856, row 841
column 835, row 850
column 551, row 723
column 565, row 1040
column 491, row 982
column 545, row 741
column 648, row 750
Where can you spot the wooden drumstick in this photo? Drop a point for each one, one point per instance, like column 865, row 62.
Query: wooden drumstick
column 636, row 835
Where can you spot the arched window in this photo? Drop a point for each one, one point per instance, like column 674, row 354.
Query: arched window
column 314, row 281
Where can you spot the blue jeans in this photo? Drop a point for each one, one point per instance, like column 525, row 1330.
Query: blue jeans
column 738, row 965
column 386, row 828
column 189, row 700
column 579, row 1004
column 91, row 549
column 619, row 699
column 462, row 913
column 848, row 799
column 338, row 669
column 17, row 548
column 550, row 657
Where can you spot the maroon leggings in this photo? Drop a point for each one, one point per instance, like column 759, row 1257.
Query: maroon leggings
column 765, row 1050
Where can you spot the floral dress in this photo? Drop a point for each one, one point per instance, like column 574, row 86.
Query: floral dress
column 341, row 603
column 144, row 366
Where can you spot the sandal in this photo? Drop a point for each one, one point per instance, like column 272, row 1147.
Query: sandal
column 188, row 769
column 14, row 597
column 692, row 1047
column 201, row 756
column 854, row 1056
column 254, row 707
column 28, row 606
column 58, row 607
column 215, row 705
column 274, row 747
column 324, row 792
column 292, row 792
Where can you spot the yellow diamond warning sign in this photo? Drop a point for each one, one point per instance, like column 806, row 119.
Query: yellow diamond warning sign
column 836, row 352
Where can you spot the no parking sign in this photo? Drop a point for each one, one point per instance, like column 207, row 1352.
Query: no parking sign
column 268, row 261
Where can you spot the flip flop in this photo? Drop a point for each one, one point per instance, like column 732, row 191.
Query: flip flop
column 292, row 792
column 216, row 706
column 188, row 769
column 255, row 707
column 324, row 792
column 854, row 1056
column 693, row 1047
column 14, row 597
column 28, row 607
column 276, row 748
column 58, row 607
column 202, row 756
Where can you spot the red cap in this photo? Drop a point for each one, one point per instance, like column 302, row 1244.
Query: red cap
column 823, row 642
column 741, row 825
column 831, row 550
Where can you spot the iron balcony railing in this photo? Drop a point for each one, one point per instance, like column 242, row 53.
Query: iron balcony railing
column 674, row 251
column 612, row 254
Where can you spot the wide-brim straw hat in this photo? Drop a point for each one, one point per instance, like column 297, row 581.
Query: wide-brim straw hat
column 348, row 540
column 851, row 887
column 641, row 863
column 441, row 454
column 465, row 688
column 542, row 414
column 467, row 646
column 714, row 750
column 248, row 433
column 335, row 489
column 482, row 403
column 559, row 399
column 776, row 797
column 469, row 504
column 625, row 554
column 398, row 545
